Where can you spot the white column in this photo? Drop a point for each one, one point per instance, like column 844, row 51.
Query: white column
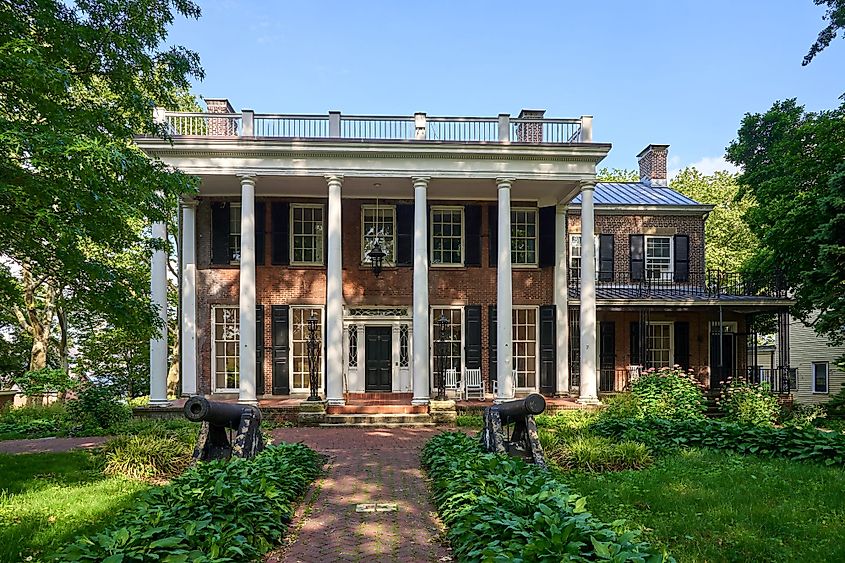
column 589, row 376
column 334, row 297
column 504, row 295
column 561, row 304
column 158, row 295
column 421, row 351
column 247, row 293
column 188, row 372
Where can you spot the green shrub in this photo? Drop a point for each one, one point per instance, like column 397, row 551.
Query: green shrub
column 668, row 393
column 469, row 421
column 803, row 415
column 798, row 444
column 499, row 508
column 218, row 511
column 598, row 454
column 94, row 410
column 749, row 404
column 43, row 381
column 835, row 407
column 151, row 455
column 34, row 421
column 622, row 405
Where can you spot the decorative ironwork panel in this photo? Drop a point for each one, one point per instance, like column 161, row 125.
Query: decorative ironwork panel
column 378, row 312
column 353, row 346
column 404, row 358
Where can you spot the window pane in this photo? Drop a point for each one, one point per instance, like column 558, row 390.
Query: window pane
column 299, row 347
column 820, row 377
column 447, row 235
column 225, row 347
column 447, row 342
column 523, row 228
column 307, row 229
column 525, row 347
column 379, row 224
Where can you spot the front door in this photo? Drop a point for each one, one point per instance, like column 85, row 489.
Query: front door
column 379, row 350
column 728, row 359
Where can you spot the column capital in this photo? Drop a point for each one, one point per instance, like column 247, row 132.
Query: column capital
column 420, row 181
column 505, row 182
column 334, row 179
column 188, row 201
column 587, row 184
column 247, row 178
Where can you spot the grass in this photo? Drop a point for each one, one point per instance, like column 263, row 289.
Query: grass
column 47, row 500
column 715, row 506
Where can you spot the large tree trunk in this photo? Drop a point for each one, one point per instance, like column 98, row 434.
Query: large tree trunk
column 39, row 297
column 63, row 347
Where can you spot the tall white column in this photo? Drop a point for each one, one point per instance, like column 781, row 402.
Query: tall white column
column 158, row 295
column 334, row 297
column 188, row 372
column 589, row 376
column 561, row 305
column 247, row 293
column 421, row 386
column 504, row 295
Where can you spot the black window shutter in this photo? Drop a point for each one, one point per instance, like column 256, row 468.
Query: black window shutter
column 546, row 228
column 260, row 221
column 548, row 353
column 259, row 349
column 681, row 258
column 472, row 224
column 281, row 348
column 404, row 235
column 606, row 257
column 493, row 234
column 280, row 231
column 429, row 232
column 472, row 336
column 636, row 359
column 682, row 344
column 637, row 257
column 491, row 338
column 220, row 233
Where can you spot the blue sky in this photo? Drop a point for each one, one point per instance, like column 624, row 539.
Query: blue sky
column 678, row 72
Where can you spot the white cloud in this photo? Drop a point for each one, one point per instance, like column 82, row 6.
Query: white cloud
column 706, row 165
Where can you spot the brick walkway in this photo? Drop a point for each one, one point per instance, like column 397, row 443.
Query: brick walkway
column 365, row 466
column 40, row 445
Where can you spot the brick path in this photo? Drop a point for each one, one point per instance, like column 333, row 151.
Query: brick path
column 40, row 445
column 365, row 466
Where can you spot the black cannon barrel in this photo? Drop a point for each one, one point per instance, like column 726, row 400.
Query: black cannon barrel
column 531, row 405
column 200, row 409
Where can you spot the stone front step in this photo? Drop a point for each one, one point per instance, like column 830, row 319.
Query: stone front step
column 388, row 420
column 377, row 409
column 379, row 398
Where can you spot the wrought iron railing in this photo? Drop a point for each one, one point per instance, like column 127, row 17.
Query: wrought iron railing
column 781, row 380
column 710, row 284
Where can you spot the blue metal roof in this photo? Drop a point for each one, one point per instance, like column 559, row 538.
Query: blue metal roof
column 635, row 193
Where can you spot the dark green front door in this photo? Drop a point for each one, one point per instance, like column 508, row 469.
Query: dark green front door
column 378, row 352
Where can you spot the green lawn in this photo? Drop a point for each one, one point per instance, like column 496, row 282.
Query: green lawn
column 47, row 500
column 716, row 506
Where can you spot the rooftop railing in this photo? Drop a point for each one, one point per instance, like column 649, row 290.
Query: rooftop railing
column 500, row 129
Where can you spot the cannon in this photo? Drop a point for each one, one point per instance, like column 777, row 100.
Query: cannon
column 522, row 439
column 218, row 421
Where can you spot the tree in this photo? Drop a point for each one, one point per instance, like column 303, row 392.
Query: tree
column 116, row 358
column 730, row 243
column 77, row 81
column 617, row 175
column 794, row 167
column 835, row 15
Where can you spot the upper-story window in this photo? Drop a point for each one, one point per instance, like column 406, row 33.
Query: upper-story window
column 524, row 236
column 447, row 236
column 378, row 223
column 575, row 256
column 658, row 257
column 307, row 221
column 235, row 233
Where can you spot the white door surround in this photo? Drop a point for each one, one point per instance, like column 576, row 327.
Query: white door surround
column 355, row 321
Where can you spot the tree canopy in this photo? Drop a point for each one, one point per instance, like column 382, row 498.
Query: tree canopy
column 77, row 81
column 835, row 16
column 617, row 175
column 794, row 167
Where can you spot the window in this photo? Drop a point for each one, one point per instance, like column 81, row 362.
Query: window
column 225, row 348
column 235, row 233
column 299, row 346
column 378, row 224
column 404, row 355
column 820, row 370
column 307, row 234
column 447, row 345
column 659, row 345
column 524, row 236
column 353, row 346
column 525, row 347
column 447, row 236
column 658, row 258
column 575, row 256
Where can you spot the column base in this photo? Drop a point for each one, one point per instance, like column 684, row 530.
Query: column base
column 588, row 401
column 336, row 402
column 159, row 403
column 420, row 401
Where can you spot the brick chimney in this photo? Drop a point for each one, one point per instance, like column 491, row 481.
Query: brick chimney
column 530, row 132
column 653, row 160
column 223, row 126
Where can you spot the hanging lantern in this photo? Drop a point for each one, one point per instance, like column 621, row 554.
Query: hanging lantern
column 376, row 255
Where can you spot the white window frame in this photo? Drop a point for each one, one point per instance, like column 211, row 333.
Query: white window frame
column 533, row 211
column 572, row 256
column 432, row 332
column 321, row 361
column 671, row 327
column 234, row 237
column 388, row 260
column 292, row 237
column 813, row 367
column 214, row 309
column 667, row 273
column 435, row 208
column 536, row 346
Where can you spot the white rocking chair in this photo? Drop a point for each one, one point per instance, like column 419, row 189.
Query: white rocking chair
column 496, row 386
column 452, row 383
column 472, row 384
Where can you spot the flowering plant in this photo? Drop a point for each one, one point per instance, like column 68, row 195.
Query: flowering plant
column 669, row 393
column 748, row 403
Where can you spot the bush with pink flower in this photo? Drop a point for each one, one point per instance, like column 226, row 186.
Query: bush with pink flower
column 749, row 404
column 669, row 393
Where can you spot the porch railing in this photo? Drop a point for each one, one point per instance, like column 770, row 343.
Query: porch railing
column 708, row 284
column 500, row 129
column 781, row 380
